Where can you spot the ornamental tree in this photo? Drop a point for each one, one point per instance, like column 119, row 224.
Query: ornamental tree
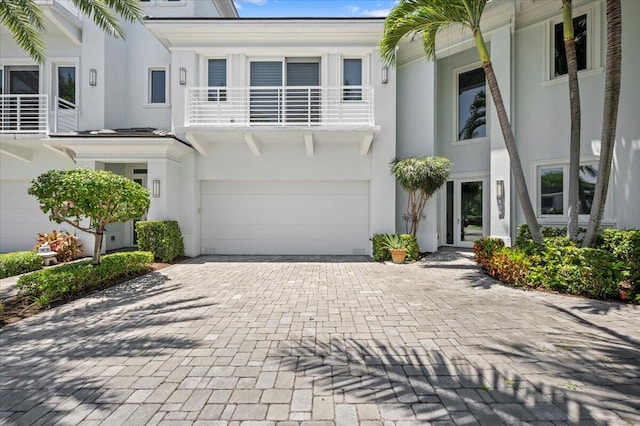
column 421, row 177
column 101, row 197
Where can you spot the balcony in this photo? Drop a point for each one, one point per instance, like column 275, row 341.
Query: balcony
column 279, row 106
column 29, row 114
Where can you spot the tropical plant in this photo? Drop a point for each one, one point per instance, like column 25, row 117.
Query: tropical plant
column 67, row 246
column 24, row 20
column 102, row 197
column 574, row 104
column 421, row 177
column 393, row 242
column 428, row 17
column 609, row 118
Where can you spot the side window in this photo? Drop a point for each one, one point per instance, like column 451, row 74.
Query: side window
column 551, row 184
column 352, row 76
column 559, row 52
column 217, row 77
column 67, row 86
column 471, row 105
column 157, row 86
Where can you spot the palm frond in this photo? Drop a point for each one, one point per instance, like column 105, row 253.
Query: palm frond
column 24, row 21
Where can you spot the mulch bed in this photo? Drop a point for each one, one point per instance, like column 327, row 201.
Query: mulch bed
column 18, row 308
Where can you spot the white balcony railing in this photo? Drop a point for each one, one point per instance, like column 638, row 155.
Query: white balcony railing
column 65, row 116
column 24, row 114
column 279, row 106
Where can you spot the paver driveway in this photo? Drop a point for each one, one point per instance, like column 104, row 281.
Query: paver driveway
column 323, row 341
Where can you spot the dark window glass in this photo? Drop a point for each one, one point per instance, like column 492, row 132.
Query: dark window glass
column 588, row 177
column 158, row 87
column 472, row 120
column 67, row 84
column 551, row 190
column 560, row 54
column 352, row 76
column 217, row 77
column 1, row 82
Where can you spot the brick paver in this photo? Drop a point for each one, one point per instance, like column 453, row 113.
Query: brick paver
column 323, row 341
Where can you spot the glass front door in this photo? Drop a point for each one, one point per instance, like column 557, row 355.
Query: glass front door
column 465, row 211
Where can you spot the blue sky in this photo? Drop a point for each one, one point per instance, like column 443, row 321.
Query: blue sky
column 313, row 8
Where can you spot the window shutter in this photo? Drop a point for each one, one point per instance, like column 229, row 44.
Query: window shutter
column 266, row 74
column 352, row 73
column 217, row 73
column 303, row 74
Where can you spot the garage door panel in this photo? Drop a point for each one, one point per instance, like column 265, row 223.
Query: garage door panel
column 285, row 217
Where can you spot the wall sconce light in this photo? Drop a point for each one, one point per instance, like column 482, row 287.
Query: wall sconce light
column 385, row 74
column 156, row 188
column 93, row 77
column 183, row 76
column 500, row 189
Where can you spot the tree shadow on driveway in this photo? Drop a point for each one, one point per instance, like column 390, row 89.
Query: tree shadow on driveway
column 64, row 362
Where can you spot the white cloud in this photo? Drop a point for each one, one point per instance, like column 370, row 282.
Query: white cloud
column 353, row 9
column 256, row 2
column 377, row 13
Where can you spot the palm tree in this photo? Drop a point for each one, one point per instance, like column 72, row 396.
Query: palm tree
column 609, row 117
column 428, row 17
column 24, row 20
column 574, row 104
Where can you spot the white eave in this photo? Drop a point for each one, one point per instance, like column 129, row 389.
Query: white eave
column 190, row 33
column 120, row 149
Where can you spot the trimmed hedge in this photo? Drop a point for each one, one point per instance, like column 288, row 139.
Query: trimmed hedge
column 381, row 254
column 19, row 262
column 63, row 282
column 624, row 244
column 161, row 237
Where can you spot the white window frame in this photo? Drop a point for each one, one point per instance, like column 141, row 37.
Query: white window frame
column 455, row 109
column 147, row 96
column 364, row 80
column 564, row 165
column 594, row 37
column 65, row 62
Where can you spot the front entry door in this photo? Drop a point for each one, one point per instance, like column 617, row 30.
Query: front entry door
column 466, row 211
column 140, row 179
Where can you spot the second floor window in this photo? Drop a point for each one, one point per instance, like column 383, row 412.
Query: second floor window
column 157, row 86
column 560, row 54
column 352, row 76
column 472, row 105
column 67, row 85
column 217, row 77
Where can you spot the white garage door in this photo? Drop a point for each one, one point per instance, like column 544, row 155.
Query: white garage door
column 285, row 217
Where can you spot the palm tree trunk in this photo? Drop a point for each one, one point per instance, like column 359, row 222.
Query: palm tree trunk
column 609, row 118
column 509, row 139
column 574, row 104
column 97, row 246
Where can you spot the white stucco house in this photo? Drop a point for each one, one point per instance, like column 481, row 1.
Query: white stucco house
column 274, row 136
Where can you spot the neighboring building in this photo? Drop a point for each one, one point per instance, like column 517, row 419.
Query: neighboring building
column 274, row 136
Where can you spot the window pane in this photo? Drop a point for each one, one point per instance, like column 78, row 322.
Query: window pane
column 158, row 89
column 560, row 54
column 217, row 77
column 67, row 84
column 588, row 176
column 551, row 191
column 472, row 105
column 1, row 82
column 352, row 76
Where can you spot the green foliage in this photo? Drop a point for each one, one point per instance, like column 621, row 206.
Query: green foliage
column 19, row 262
column 162, row 238
column 381, row 252
column 393, row 242
column 63, row 282
column 100, row 196
column 484, row 248
column 624, row 244
column 67, row 245
column 421, row 177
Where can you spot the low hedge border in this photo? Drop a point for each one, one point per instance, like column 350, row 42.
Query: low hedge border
column 19, row 262
column 163, row 238
column 381, row 254
column 610, row 271
column 63, row 282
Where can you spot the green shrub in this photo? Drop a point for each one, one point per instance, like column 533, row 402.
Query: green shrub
column 507, row 265
column 484, row 248
column 19, row 262
column 624, row 244
column 381, row 253
column 63, row 282
column 562, row 266
column 162, row 238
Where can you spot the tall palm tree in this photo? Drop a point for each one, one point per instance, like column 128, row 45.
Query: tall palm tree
column 574, row 105
column 609, row 118
column 428, row 17
column 24, row 20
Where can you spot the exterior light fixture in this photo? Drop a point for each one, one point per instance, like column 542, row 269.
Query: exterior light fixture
column 500, row 189
column 156, row 188
column 93, row 77
column 183, row 76
column 385, row 74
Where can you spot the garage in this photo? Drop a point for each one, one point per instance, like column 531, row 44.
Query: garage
column 285, row 217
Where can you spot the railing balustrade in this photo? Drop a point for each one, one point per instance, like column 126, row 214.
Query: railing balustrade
column 279, row 106
column 24, row 114
column 65, row 116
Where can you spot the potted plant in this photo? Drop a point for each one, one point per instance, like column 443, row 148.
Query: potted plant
column 396, row 246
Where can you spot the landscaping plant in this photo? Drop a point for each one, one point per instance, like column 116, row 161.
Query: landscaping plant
column 381, row 253
column 19, row 262
column 161, row 237
column 98, row 197
column 67, row 246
